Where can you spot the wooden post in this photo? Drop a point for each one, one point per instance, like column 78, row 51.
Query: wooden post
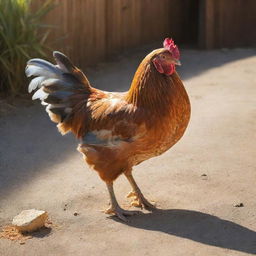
column 206, row 24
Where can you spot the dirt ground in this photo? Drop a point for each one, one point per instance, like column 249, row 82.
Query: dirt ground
column 196, row 184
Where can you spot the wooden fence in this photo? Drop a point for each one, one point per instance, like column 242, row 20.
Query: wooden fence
column 227, row 23
column 92, row 30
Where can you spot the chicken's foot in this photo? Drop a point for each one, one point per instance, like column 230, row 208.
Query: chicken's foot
column 115, row 208
column 138, row 199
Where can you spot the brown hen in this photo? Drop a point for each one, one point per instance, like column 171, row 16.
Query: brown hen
column 117, row 130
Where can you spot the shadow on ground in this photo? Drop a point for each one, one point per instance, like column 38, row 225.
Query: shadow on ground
column 198, row 62
column 30, row 143
column 197, row 226
column 117, row 73
column 42, row 232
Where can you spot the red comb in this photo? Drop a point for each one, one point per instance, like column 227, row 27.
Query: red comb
column 170, row 46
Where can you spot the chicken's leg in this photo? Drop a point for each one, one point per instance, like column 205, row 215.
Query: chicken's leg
column 139, row 200
column 115, row 208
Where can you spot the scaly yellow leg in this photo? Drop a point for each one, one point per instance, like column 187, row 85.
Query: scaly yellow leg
column 138, row 198
column 115, row 208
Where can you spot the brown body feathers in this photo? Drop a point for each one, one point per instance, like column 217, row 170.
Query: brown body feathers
column 118, row 130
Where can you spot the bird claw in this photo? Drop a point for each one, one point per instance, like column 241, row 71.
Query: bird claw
column 136, row 203
column 144, row 205
column 149, row 206
column 131, row 194
column 141, row 202
column 121, row 213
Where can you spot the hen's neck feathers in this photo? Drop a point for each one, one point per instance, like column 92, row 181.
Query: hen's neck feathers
column 151, row 89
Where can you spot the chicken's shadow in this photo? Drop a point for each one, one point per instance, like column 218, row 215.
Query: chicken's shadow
column 199, row 227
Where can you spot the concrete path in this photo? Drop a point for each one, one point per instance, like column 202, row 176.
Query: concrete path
column 196, row 183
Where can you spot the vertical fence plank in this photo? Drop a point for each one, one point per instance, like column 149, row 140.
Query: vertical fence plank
column 113, row 26
column 206, row 24
column 100, row 30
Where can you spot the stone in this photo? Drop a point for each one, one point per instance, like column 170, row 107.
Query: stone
column 239, row 205
column 30, row 220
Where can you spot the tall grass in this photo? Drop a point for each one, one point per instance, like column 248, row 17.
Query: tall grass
column 21, row 38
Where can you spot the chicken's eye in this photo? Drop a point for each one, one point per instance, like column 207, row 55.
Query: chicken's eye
column 163, row 57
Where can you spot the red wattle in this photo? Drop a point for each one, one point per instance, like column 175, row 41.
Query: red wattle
column 168, row 70
column 163, row 68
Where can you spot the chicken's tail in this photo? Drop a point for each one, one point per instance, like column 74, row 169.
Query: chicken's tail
column 61, row 88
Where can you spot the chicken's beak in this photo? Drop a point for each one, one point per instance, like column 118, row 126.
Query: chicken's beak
column 177, row 62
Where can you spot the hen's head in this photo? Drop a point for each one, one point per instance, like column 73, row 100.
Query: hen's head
column 166, row 58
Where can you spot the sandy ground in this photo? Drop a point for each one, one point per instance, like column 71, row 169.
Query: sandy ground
column 41, row 169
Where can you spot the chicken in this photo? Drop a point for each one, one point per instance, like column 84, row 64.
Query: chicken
column 117, row 130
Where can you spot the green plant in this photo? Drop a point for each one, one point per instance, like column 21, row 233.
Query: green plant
column 21, row 38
